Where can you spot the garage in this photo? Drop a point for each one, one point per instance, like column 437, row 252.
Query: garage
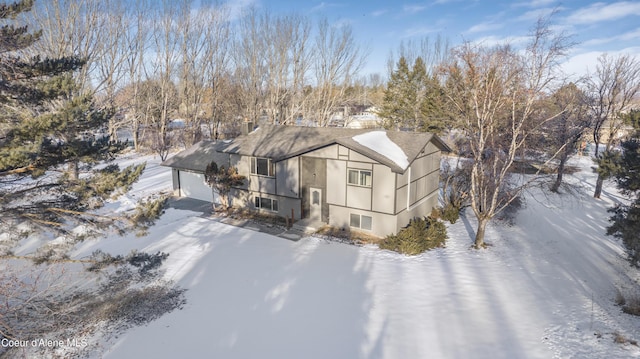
column 193, row 185
column 188, row 169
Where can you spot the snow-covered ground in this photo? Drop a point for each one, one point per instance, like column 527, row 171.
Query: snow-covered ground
column 544, row 289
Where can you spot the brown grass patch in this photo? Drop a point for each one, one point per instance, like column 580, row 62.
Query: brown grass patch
column 348, row 236
column 247, row 214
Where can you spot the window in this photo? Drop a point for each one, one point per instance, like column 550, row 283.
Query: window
column 362, row 222
column 355, row 220
column 262, row 167
column 266, row 203
column 365, row 222
column 359, row 178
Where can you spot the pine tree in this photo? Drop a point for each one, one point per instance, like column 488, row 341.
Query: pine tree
column 46, row 126
column 223, row 179
column 397, row 97
column 625, row 167
column 413, row 99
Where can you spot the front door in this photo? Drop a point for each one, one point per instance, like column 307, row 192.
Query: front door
column 315, row 204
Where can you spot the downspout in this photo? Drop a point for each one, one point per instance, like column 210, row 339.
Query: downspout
column 409, row 189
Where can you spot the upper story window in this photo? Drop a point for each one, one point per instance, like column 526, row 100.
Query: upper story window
column 359, row 177
column 262, row 167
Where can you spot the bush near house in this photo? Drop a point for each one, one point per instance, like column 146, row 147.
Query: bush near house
column 450, row 212
column 420, row 235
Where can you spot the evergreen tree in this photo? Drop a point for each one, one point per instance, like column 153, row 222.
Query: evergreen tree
column 625, row 167
column 46, row 127
column 397, row 97
column 223, row 179
column 413, row 99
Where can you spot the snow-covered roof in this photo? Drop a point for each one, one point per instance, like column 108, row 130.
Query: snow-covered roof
column 379, row 142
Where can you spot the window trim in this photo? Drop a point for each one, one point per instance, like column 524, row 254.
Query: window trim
column 257, row 202
column 253, row 164
column 359, row 226
column 359, row 177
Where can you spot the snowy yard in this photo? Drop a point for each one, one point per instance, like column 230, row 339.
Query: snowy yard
column 544, row 289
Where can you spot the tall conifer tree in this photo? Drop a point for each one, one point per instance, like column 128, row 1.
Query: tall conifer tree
column 47, row 127
column 413, row 99
column 625, row 167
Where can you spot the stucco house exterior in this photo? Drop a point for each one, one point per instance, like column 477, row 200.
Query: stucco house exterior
column 369, row 180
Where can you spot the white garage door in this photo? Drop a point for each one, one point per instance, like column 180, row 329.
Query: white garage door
column 192, row 185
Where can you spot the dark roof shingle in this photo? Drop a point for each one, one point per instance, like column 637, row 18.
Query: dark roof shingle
column 283, row 142
column 197, row 157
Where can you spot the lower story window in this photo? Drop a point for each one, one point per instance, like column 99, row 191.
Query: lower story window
column 266, row 203
column 360, row 221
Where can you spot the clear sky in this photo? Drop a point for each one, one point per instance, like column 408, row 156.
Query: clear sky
column 380, row 26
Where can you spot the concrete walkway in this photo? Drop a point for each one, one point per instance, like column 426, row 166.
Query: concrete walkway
column 204, row 207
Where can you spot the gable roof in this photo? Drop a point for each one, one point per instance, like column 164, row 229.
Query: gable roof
column 283, row 142
column 197, row 157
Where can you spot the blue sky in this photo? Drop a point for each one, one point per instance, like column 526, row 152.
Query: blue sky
column 380, row 26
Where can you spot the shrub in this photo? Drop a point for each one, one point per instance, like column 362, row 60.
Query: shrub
column 632, row 305
column 420, row 235
column 456, row 186
column 451, row 213
column 630, row 302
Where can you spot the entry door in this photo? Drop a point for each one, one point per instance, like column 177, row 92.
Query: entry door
column 315, row 204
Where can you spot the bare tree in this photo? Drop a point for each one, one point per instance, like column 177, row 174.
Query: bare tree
column 136, row 42
column 565, row 131
column 193, row 47
column 493, row 92
column 215, row 65
column 335, row 63
column 112, row 63
column 433, row 52
column 287, row 63
column 163, row 70
column 611, row 89
column 82, row 24
column 249, row 58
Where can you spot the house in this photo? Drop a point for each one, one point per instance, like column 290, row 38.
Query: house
column 367, row 118
column 370, row 180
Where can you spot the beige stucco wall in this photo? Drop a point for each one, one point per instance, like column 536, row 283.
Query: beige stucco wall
column 420, row 209
column 359, row 197
column 381, row 224
column 385, row 201
column 287, row 177
column 329, row 152
column 383, row 189
column 337, row 179
column 424, row 176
